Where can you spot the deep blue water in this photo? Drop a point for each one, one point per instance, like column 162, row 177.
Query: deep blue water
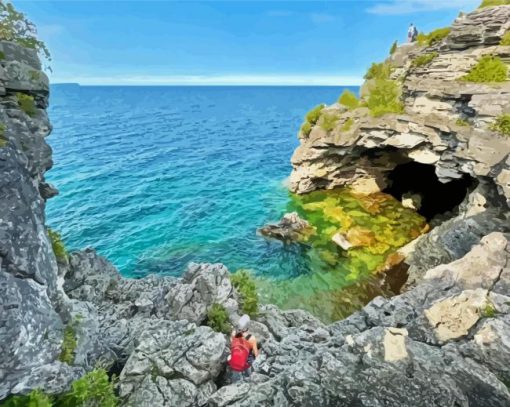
column 156, row 177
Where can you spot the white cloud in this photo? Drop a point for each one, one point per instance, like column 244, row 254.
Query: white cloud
column 393, row 7
column 261, row 80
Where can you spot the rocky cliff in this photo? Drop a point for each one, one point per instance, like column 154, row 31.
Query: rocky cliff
column 444, row 342
column 442, row 147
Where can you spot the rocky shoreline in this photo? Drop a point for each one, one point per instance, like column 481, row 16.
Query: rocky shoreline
column 445, row 341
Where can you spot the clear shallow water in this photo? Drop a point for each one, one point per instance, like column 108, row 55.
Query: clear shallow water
column 156, row 177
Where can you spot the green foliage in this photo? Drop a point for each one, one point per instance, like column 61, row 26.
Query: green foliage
column 505, row 40
column 93, row 389
column 58, row 246
column 393, row 47
column 14, row 26
column 35, row 398
column 384, row 98
column 3, row 139
column 26, row 103
column 433, row 37
column 328, row 121
column 35, row 75
column 348, row 124
column 488, row 69
column 379, row 71
column 424, row 59
column 313, row 115
column 306, row 128
column 492, row 3
column 348, row 99
column 462, row 122
column 502, row 125
column 68, row 345
column 489, row 311
column 245, row 285
column 2, row 56
column 217, row 319
column 311, row 119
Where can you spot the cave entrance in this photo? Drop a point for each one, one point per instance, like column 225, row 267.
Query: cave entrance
column 436, row 197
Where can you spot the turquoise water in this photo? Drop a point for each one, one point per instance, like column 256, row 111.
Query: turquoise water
column 156, row 177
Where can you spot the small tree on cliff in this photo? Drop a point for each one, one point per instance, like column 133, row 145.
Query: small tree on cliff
column 15, row 27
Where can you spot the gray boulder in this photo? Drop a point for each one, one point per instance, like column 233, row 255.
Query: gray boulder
column 175, row 362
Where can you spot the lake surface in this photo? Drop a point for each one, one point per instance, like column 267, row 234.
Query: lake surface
column 157, row 177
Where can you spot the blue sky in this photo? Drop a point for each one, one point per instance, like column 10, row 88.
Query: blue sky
column 227, row 42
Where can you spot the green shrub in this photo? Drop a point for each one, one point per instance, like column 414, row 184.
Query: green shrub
column 35, row 398
column 2, row 56
column 433, row 37
column 488, row 69
column 313, row 115
column 348, row 124
column 26, row 103
column 245, row 285
column 379, row 71
column 14, row 26
column 502, row 125
column 58, row 246
column 384, row 98
column 424, row 59
column 311, row 119
column 68, row 345
column 505, row 40
column 217, row 319
column 462, row 122
column 393, row 47
column 328, row 121
column 93, row 389
column 306, row 128
column 492, row 3
column 348, row 99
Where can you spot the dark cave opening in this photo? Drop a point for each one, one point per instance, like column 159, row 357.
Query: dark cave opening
column 436, row 197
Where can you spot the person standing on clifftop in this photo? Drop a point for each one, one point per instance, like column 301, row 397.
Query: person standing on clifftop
column 412, row 33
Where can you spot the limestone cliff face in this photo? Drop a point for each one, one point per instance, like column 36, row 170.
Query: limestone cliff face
column 31, row 329
column 445, row 126
column 429, row 131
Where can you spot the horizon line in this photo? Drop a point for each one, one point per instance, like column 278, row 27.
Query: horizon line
column 201, row 85
column 219, row 80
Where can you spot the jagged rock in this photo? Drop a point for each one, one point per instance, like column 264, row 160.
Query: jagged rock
column 89, row 276
column 453, row 317
column 291, row 228
column 202, row 286
column 30, row 333
column 389, row 352
column 174, row 361
column 481, row 27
